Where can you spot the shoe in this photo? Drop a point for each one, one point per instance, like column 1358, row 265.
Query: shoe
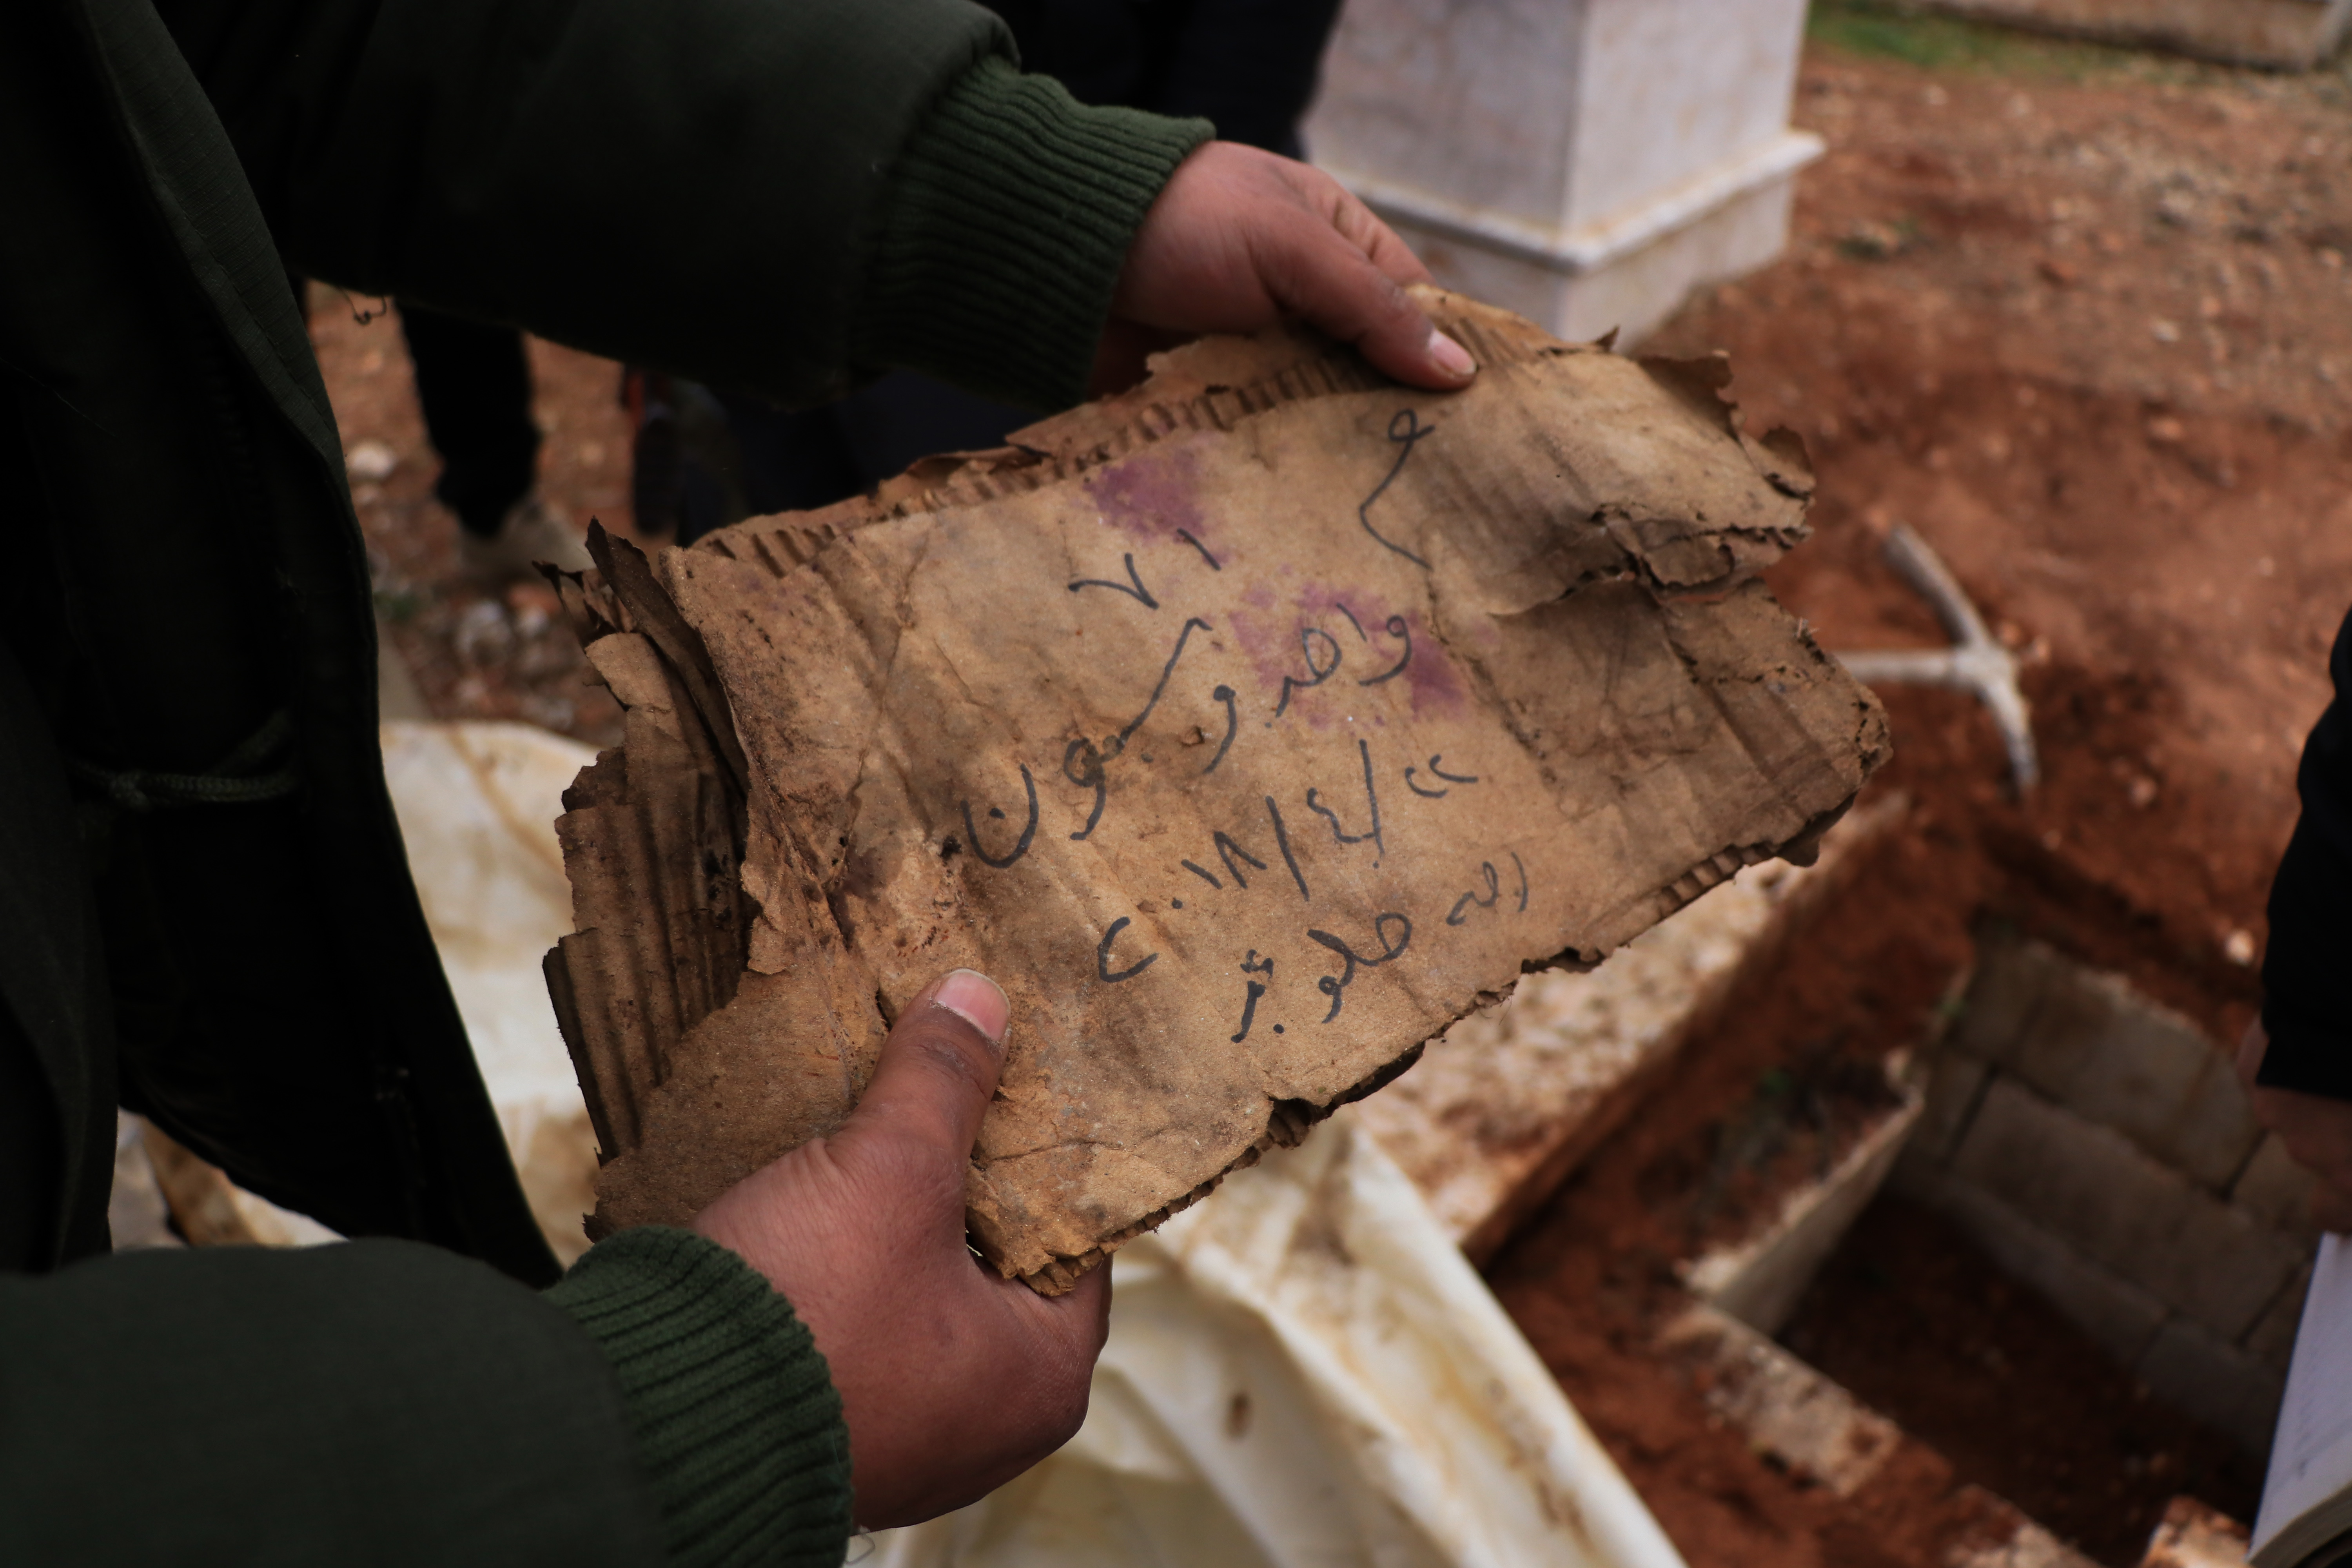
column 529, row 534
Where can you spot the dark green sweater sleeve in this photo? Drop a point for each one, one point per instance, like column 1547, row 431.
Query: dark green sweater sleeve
column 737, row 1428
column 1008, row 221
column 377, row 1402
column 381, row 1402
column 776, row 195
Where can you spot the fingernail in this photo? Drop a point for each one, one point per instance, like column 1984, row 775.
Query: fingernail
column 1451, row 357
column 978, row 1000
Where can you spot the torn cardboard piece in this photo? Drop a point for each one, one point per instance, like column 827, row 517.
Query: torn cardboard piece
column 1249, row 729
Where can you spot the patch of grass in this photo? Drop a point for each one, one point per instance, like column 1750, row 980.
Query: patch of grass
column 1891, row 30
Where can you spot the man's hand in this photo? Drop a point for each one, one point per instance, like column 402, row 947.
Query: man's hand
column 1240, row 238
column 2317, row 1131
column 953, row 1380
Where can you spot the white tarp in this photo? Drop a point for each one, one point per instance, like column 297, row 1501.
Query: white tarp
column 477, row 804
column 1303, row 1372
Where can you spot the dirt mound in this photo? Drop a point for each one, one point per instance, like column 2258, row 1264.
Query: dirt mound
column 2088, row 334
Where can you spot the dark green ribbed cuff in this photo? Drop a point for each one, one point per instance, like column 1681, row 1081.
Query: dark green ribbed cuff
column 736, row 1419
column 1007, row 221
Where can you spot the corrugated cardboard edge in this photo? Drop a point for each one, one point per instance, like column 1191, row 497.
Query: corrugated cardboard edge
column 1214, row 385
column 659, row 935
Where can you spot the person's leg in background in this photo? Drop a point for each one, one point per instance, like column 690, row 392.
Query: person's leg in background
column 473, row 382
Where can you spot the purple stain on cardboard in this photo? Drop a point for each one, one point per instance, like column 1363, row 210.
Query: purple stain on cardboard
column 1365, row 675
column 1153, row 496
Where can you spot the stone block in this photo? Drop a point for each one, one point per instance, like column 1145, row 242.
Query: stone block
column 1503, row 1105
column 1561, row 114
column 1786, row 1408
column 2140, row 1220
column 2119, row 1316
column 1759, row 1280
column 2276, row 1191
column 2092, row 1042
column 2111, row 1054
column 1956, row 1081
column 2216, row 1382
column 1629, row 290
column 2012, row 976
column 1583, row 162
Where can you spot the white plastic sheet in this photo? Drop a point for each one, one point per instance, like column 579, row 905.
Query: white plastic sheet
column 477, row 804
column 1303, row 1372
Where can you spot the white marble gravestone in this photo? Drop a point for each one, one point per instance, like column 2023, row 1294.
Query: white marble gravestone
column 1584, row 163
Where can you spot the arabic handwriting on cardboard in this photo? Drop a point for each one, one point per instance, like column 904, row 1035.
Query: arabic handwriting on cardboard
column 1335, row 649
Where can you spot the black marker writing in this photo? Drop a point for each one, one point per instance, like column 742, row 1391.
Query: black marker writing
column 1102, row 956
column 1253, row 965
column 1086, row 774
column 1208, row 876
column 1307, row 636
column 1371, row 794
column 1405, row 430
column 1165, row 671
column 1396, row 629
column 1523, row 881
column 1333, row 985
column 1027, row 832
column 1223, row 694
column 1424, row 793
column 1249, row 1011
column 1214, row 565
column 1493, row 892
column 1228, row 851
column 1282, row 840
column 1136, row 592
column 1355, row 623
column 1450, row 778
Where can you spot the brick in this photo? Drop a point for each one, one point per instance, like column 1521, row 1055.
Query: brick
column 2143, row 1221
column 1954, row 1082
column 1508, row 1102
column 2092, row 1042
column 2276, row 1191
column 2113, row 1055
column 2011, row 980
column 2120, row 1316
column 1785, row 1407
column 2271, row 1341
column 2217, row 1383
column 1759, row 1280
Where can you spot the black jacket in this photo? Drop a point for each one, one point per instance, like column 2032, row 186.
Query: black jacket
column 780, row 194
column 2307, row 969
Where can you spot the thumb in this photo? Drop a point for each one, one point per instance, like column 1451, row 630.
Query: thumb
column 1346, row 276
column 939, row 1068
